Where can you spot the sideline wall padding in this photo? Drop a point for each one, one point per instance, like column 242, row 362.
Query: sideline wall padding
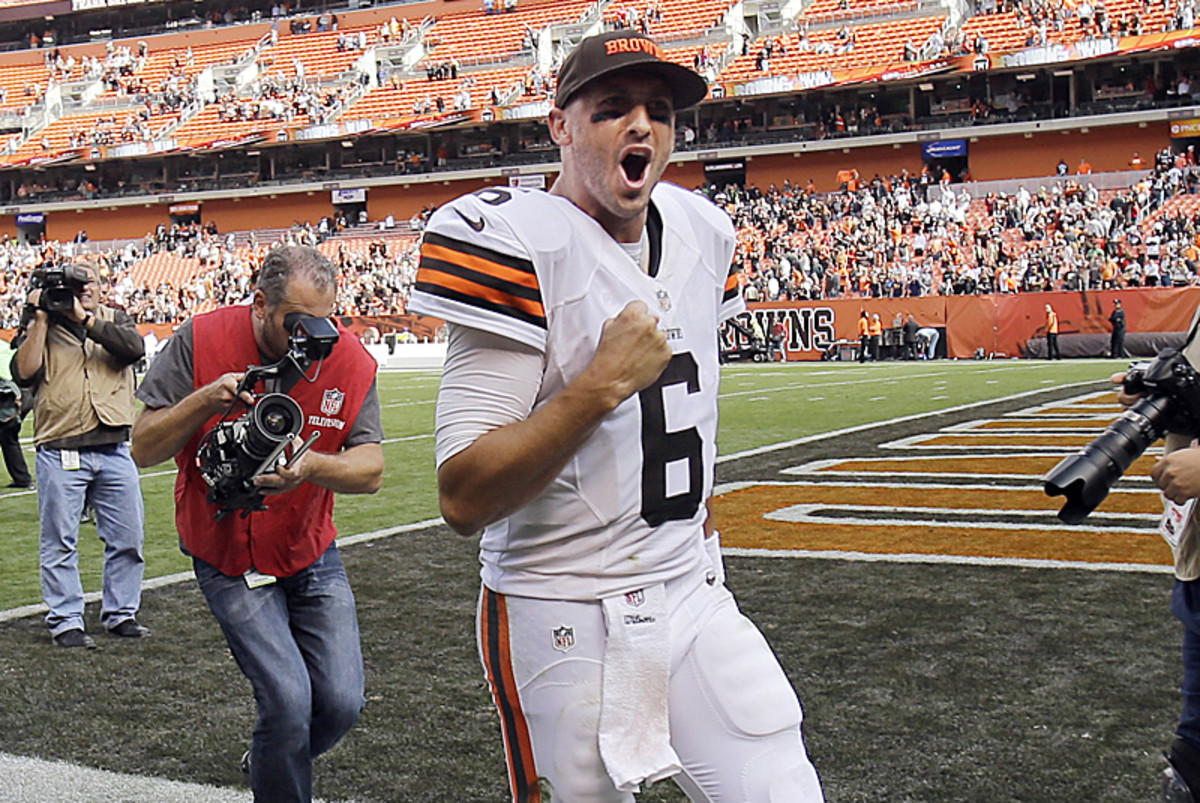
column 999, row 324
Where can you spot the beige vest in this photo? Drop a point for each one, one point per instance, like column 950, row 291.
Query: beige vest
column 1187, row 555
column 84, row 386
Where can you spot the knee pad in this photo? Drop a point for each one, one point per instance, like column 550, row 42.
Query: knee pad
column 746, row 685
column 795, row 783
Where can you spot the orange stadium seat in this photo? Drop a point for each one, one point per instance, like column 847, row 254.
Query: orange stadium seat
column 164, row 267
column 388, row 102
column 879, row 43
column 473, row 37
column 318, row 53
column 679, row 19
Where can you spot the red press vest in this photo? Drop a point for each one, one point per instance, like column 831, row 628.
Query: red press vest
column 297, row 527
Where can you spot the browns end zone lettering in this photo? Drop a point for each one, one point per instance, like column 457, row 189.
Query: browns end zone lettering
column 808, row 328
column 631, row 45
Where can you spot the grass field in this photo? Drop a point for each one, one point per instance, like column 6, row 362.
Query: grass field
column 920, row 682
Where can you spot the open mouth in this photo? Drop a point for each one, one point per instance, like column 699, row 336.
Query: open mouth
column 634, row 165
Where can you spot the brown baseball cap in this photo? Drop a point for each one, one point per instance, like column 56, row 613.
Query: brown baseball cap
column 617, row 51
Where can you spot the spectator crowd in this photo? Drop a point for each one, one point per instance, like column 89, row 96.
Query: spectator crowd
column 903, row 235
column 914, row 235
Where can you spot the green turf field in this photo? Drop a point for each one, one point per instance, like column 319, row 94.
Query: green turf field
column 922, row 683
column 760, row 405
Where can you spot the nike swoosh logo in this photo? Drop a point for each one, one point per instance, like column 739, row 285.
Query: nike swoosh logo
column 475, row 224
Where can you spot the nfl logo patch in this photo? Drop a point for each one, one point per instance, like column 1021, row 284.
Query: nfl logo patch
column 564, row 638
column 664, row 300
column 635, row 598
column 331, row 402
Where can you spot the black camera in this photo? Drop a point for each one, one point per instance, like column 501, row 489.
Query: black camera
column 1170, row 388
column 60, row 285
column 234, row 452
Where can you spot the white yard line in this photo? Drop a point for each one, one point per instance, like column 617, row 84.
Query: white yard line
column 952, row 560
column 822, row 436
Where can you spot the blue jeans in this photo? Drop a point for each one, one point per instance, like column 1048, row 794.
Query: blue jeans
column 107, row 478
column 1185, row 604
column 297, row 642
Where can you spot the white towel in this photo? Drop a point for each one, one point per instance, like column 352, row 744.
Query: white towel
column 635, row 734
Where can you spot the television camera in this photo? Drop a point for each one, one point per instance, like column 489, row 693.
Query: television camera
column 1170, row 390
column 234, row 452
column 60, row 285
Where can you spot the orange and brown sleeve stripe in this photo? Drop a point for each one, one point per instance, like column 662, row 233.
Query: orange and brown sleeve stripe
column 518, row 747
column 731, row 285
column 484, row 278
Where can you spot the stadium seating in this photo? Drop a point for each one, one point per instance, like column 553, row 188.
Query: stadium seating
column 390, row 102
column 879, row 43
column 472, row 37
column 679, row 19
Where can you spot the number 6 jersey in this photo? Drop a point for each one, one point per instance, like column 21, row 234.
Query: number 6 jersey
column 628, row 509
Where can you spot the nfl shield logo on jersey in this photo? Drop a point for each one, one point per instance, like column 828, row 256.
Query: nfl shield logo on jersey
column 331, row 402
column 564, row 638
column 664, row 300
column 634, row 599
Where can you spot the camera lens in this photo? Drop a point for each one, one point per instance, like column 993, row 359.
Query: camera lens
column 1085, row 478
column 275, row 418
column 275, row 422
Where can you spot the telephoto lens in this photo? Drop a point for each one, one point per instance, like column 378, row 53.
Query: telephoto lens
column 1087, row 477
column 1170, row 391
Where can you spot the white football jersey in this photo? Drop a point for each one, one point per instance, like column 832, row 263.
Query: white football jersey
column 628, row 510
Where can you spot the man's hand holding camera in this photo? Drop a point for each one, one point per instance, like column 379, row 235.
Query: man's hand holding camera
column 219, row 395
column 288, row 476
column 1177, row 472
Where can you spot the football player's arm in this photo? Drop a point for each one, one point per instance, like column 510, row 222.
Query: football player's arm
column 510, row 464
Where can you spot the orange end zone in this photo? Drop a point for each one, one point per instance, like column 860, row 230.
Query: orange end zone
column 741, row 518
column 1024, row 441
column 1048, row 423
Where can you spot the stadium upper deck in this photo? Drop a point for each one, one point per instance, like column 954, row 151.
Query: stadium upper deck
column 827, row 43
column 344, row 96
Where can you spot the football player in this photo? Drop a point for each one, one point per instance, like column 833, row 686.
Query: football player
column 576, row 428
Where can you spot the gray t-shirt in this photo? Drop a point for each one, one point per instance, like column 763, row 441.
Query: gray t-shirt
column 171, row 378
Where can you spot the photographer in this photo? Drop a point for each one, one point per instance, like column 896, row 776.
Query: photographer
column 77, row 356
column 1177, row 475
column 272, row 576
column 12, row 413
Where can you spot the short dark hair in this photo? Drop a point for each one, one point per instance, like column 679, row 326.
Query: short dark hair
column 281, row 264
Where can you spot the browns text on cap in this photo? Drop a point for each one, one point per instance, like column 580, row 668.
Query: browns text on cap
column 617, row 51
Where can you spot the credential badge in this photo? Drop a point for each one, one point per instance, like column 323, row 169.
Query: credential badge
column 331, row 402
column 564, row 638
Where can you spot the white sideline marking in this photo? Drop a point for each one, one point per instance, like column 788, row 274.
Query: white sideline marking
column 820, row 436
column 179, row 577
column 35, row 780
column 859, row 482
column 954, row 560
column 827, row 467
column 171, row 472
